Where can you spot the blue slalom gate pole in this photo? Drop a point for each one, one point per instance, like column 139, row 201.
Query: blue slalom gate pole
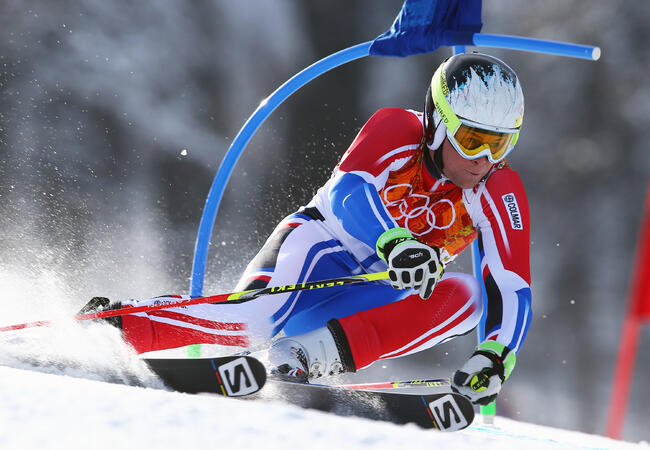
column 266, row 107
column 537, row 45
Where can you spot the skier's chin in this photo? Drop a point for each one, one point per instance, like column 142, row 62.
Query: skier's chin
column 466, row 182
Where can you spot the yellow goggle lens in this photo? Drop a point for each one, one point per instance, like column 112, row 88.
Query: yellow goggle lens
column 474, row 141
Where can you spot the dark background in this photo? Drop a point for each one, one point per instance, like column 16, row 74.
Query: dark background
column 99, row 99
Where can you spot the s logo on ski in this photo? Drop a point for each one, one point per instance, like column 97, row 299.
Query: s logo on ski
column 238, row 378
column 447, row 414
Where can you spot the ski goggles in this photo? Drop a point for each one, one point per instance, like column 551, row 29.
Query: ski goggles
column 471, row 140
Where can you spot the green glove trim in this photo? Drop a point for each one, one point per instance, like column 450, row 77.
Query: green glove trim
column 393, row 236
column 508, row 357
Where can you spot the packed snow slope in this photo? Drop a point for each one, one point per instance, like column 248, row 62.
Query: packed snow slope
column 78, row 386
column 64, row 402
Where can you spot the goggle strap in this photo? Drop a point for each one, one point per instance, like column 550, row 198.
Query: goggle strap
column 514, row 140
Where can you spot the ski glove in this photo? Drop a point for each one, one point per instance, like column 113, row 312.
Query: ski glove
column 481, row 377
column 411, row 264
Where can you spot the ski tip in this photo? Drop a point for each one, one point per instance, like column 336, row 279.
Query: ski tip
column 232, row 376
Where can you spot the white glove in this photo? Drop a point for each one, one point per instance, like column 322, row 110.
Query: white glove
column 482, row 376
column 412, row 264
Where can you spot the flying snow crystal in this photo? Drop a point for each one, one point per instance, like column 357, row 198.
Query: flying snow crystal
column 184, row 152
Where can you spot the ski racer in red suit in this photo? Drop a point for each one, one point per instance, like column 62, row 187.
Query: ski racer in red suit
column 411, row 192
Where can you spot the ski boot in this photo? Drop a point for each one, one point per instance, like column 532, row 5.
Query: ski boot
column 310, row 355
column 99, row 304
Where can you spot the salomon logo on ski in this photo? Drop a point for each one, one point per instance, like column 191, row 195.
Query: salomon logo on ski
column 224, row 375
column 447, row 415
column 237, row 378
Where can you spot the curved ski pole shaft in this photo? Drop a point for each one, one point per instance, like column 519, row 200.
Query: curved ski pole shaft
column 235, row 297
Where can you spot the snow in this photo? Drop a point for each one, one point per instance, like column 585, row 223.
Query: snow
column 78, row 386
column 53, row 399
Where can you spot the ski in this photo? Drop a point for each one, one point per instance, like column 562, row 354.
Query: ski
column 232, row 376
column 442, row 410
column 244, row 376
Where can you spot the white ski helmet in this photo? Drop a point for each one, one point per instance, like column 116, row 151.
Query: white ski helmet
column 479, row 100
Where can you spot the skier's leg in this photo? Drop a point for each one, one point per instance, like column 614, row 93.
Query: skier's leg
column 339, row 303
column 394, row 329
column 299, row 250
column 412, row 324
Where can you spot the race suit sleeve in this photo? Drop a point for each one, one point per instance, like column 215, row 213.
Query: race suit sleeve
column 502, row 219
column 385, row 143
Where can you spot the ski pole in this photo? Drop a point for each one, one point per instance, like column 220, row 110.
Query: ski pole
column 234, row 297
column 441, row 382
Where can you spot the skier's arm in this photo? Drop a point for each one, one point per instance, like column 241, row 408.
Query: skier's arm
column 502, row 218
column 505, row 248
column 359, row 209
column 385, row 143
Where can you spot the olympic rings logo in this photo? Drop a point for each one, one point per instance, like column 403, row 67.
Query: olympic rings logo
column 424, row 210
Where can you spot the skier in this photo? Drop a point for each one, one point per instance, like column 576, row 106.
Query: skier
column 411, row 193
